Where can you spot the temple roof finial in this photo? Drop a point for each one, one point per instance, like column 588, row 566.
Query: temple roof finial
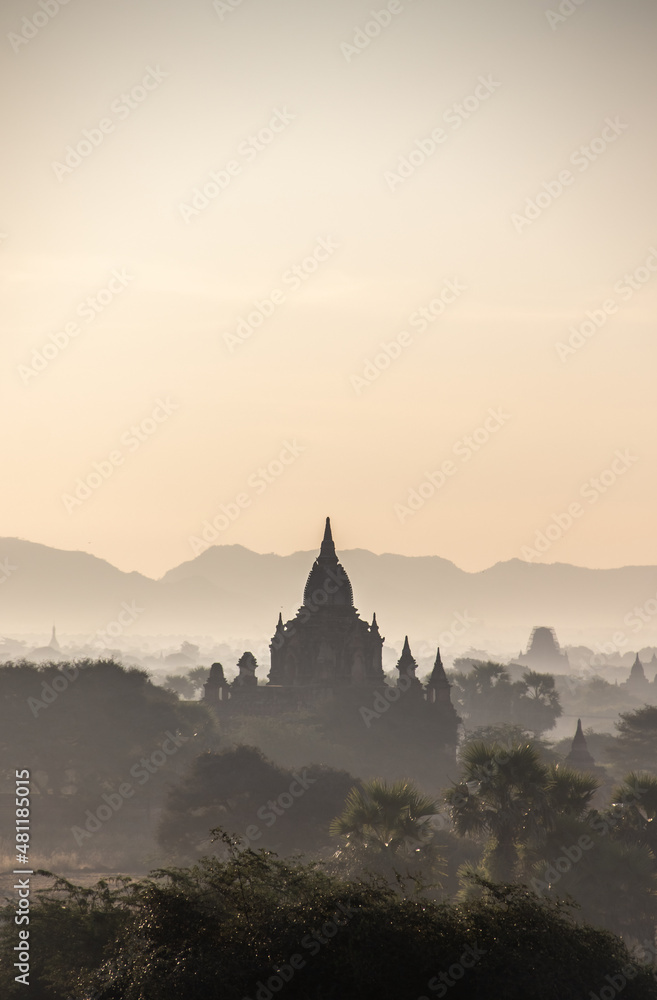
column 328, row 548
column 438, row 676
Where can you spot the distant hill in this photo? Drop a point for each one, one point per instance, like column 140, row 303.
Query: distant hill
column 229, row 591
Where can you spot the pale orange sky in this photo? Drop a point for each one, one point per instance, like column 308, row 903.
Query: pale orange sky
column 317, row 224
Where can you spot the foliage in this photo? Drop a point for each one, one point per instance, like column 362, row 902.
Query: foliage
column 84, row 734
column 190, row 684
column 387, row 830
column 508, row 796
column 252, row 925
column 71, row 928
column 486, row 696
column 241, row 790
column 635, row 747
column 507, row 735
column 181, row 685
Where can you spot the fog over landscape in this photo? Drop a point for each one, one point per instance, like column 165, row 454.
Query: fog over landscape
column 328, row 562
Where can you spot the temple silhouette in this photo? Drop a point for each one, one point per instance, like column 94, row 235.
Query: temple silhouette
column 544, row 651
column 328, row 660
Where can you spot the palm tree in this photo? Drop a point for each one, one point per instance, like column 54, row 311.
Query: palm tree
column 383, row 825
column 507, row 795
column 384, row 817
column 633, row 813
column 570, row 792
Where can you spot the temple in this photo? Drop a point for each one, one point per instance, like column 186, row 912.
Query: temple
column 544, row 652
column 637, row 682
column 326, row 643
column 327, row 661
column 580, row 758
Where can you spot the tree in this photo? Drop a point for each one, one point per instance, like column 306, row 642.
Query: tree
column 635, row 747
column 510, row 797
column 181, row 685
column 198, row 676
column 387, row 829
column 502, row 797
column 247, row 794
column 633, row 810
column 508, row 735
column 613, row 882
column 252, row 925
column 85, row 730
column 384, row 816
column 486, row 696
column 539, row 705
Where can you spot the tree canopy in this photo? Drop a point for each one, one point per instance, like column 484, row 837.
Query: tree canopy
column 252, row 925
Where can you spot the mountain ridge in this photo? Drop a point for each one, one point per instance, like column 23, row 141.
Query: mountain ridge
column 230, row 589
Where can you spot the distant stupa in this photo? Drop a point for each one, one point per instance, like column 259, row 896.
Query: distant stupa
column 579, row 757
column 53, row 651
column 637, row 682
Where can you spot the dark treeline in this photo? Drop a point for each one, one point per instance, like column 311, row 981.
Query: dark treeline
column 127, row 777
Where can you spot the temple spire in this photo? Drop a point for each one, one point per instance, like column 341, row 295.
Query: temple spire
column 327, row 551
column 580, row 757
column 406, row 665
column 438, row 686
column 438, row 676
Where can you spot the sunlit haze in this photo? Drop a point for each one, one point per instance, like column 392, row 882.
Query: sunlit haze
column 265, row 262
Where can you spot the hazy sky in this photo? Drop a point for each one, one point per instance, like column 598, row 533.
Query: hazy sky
column 364, row 167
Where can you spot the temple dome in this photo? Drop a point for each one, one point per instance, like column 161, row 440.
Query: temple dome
column 328, row 577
